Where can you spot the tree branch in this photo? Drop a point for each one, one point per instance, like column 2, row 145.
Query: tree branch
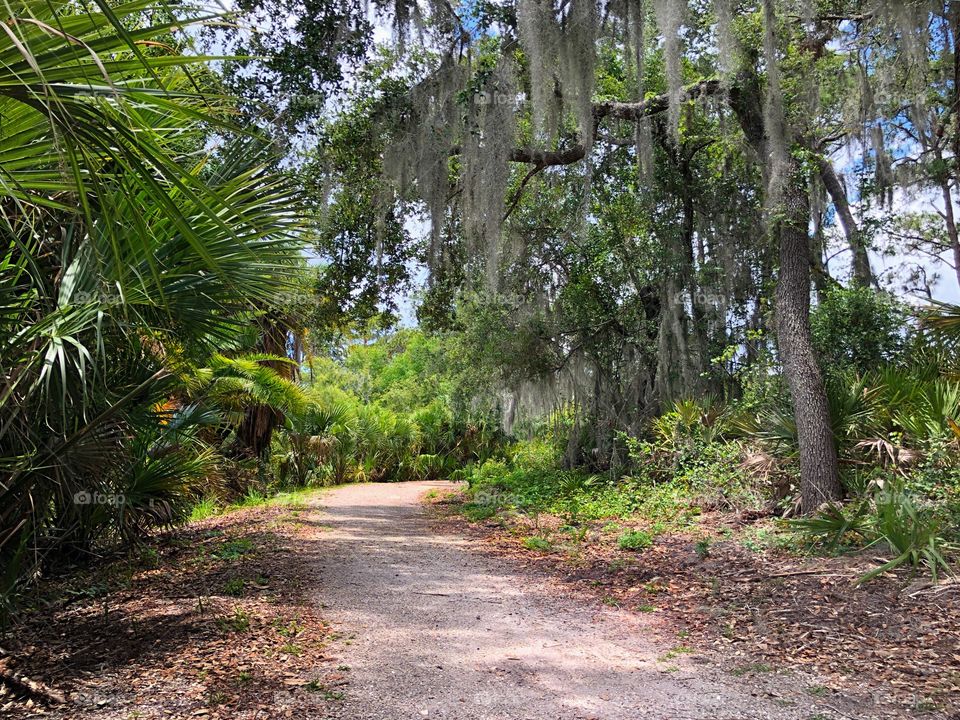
column 862, row 273
column 635, row 111
column 631, row 111
column 519, row 191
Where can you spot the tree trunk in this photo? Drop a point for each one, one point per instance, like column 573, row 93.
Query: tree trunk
column 821, row 281
column 950, row 221
column 862, row 273
column 255, row 431
column 819, row 469
column 948, row 214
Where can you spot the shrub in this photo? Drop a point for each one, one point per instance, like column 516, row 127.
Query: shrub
column 476, row 512
column 635, row 540
column 894, row 519
column 911, row 531
column 534, row 454
column 857, row 328
column 537, row 543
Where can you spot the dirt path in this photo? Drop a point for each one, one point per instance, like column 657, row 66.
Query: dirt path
column 430, row 628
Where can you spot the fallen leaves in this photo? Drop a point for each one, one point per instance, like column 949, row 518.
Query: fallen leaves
column 892, row 641
column 219, row 625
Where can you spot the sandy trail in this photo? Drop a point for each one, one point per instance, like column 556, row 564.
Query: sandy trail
column 431, row 628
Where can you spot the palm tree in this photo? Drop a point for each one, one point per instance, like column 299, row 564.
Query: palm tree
column 130, row 245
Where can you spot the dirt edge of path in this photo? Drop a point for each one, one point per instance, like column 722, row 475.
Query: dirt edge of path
column 734, row 605
column 212, row 620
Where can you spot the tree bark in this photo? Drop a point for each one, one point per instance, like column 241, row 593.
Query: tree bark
column 819, row 468
column 862, row 272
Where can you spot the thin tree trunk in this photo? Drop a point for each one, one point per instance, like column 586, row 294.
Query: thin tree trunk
column 862, row 273
column 950, row 220
column 947, row 195
column 820, row 279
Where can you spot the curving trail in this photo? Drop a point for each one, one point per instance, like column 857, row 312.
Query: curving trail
column 432, row 629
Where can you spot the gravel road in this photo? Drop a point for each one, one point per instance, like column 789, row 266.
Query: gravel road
column 432, row 628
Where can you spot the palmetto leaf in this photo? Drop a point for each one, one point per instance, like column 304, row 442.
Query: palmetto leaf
column 128, row 250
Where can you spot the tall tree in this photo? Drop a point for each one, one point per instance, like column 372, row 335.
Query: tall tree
column 530, row 85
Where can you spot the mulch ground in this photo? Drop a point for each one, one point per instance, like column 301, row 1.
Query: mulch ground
column 895, row 641
column 211, row 621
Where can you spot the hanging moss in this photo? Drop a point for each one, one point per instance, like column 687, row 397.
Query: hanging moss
column 578, row 64
column 540, row 39
column 670, row 14
column 775, row 124
column 486, row 167
column 635, row 41
column 727, row 45
column 417, row 162
column 559, row 39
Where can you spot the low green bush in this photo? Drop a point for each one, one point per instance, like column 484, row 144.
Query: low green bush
column 672, row 480
column 635, row 540
column 537, row 543
column 910, row 530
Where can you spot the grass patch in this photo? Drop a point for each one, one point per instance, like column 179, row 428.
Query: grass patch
column 635, row 540
column 752, row 668
column 288, row 629
column 234, row 587
column 238, row 622
column 235, row 549
column 204, row 509
column 675, row 653
column 211, row 507
column 476, row 513
column 702, row 548
column 537, row 543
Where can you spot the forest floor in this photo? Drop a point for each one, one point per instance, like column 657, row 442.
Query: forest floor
column 733, row 591
column 365, row 602
column 214, row 620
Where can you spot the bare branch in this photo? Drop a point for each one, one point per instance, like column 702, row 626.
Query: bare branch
column 519, row 191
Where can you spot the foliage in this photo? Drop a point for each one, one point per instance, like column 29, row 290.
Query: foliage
column 673, row 479
column 687, row 466
column 598, row 325
column 133, row 248
column 893, row 518
column 858, row 328
column 380, row 413
column 537, row 543
column 635, row 540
